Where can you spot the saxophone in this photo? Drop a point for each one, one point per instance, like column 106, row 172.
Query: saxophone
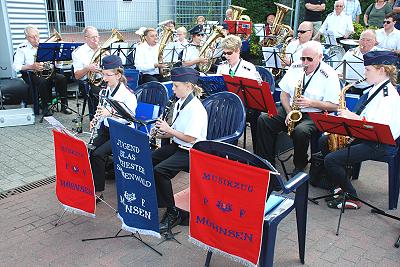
column 336, row 141
column 295, row 114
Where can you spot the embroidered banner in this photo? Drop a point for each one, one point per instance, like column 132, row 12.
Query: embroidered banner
column 136, row 192
column 227, row 200
column 74, row 182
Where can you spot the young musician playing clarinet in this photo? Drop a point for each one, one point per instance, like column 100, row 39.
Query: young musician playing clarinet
column 381, row 105
column 189, row 125
column 113, row 75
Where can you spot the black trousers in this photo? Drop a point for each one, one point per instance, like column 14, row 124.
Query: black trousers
column 44, row 86
column 98, row 158
column 168, row 161
column 93, row 99
column 268, row 129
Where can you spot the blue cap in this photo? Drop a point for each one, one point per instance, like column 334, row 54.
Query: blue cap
column 380, row 58
column 111, row 62
column 198, row 29
column 185, row 74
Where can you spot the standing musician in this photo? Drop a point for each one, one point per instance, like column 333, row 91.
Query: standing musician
column 24, row 60
column 295, row 48
column 189, row 125
column 319, row 89
column 238, row 67
column 113, row 75
column 381, row 105
column 81, row 60
column 191, row 56
column 146, row 58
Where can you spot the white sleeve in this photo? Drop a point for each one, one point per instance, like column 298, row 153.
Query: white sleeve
column 19, row 59
column 77, row 61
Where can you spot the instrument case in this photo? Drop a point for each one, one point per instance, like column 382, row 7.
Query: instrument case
column 16, row 117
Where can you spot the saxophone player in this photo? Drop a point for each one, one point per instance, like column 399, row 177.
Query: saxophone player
column 113, row 75
column 320, row 92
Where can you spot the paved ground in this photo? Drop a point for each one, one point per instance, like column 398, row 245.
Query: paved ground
column 28, row 236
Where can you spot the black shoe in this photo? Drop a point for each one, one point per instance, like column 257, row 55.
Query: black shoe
column 66, row 111
column 47, row 112
column 99, row 198
column 171, row 218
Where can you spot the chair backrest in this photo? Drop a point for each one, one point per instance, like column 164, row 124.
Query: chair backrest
column 226, row 117
column 132, row 77
column 152, row 93
column 267, row 76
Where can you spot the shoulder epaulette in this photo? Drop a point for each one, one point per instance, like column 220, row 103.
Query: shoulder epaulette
column 22, row 46
column 246, row 68
column 324, row 73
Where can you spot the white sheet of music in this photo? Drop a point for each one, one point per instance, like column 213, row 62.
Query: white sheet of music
column 269, row 54
column 120, row 49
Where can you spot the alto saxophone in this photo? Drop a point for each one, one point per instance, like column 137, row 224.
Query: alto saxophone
column 336, row 141
column 295, row 114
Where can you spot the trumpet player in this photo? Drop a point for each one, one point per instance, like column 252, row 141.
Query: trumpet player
column 319, row 92
column 24, row 60
column 113, row 75
column 189, row 125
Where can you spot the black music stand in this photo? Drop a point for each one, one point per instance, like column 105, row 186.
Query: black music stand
column 272, row 58
column 55, row 52
column 359, row 129
column 254, row 94
column 212, row 84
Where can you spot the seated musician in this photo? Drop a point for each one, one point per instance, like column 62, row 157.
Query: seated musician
column 309, row 85
column 388, row 37
column 380, row 105
column 355, row 63
column 24, row 60
column 295, row 47
column 113, row 75
column 189, row 125
column 191, row 57
column 82, row 62
column 146, row 58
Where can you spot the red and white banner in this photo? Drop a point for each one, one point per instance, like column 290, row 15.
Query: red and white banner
column 74, row 182
column 227, row 201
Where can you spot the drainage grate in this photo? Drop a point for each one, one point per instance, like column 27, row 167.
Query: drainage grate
column 28, row 187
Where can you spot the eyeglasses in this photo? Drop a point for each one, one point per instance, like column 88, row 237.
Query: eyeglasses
column 338, row 6
column 200, row 34
column 229, row 53
column 109, row 74
column 387, row 22
column 310, row 59
column 303, row 31
column 92, row 37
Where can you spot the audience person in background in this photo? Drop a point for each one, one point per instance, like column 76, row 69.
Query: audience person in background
column 313, row 13
column 396, row 9
column 201, row 20
column 376, row 12
column 389, row 37
column 353, row 9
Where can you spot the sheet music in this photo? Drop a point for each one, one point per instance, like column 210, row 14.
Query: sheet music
column 330, row 38
column 271, row 57
column 259, row 29
column 171, row 53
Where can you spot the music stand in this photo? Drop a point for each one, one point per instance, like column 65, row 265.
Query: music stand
column 330, row 38
column 359, row 129
column 212, row 84
column 254, row 95
column 239, row 26
column 55, row 52
column 273, row 57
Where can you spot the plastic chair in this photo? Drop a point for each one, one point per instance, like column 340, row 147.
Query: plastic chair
column 132, row 76
column 267, row 76
column 226, row 117
column 152, row 93
column 394, row 175
column 273, row 218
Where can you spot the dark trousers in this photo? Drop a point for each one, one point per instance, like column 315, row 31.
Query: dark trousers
column 268, row 129
column 93, row 99
column 168, row 161
column 98, row 158
column 44, row 86
column 335, row 162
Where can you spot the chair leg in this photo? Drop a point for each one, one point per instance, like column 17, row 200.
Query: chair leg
column 301, row 218
column 268, row 245
column 394, row 182
column 356, row 171
column 208, row 259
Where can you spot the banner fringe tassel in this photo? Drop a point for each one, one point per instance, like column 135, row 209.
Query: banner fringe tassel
column 78, row 211
column 138, row 230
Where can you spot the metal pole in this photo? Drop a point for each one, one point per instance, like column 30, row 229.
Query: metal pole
column 296, row 17
column 57, row 16
column 158, row 11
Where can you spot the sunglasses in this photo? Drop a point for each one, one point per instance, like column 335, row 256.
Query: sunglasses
column 303, row 31
column 200, row 34
column 386, row 22
column 227, row 53
column 338, row 6
column 310, row 59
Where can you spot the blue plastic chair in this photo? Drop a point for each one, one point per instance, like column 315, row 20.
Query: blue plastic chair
column 394, row 175
column 267, row 76
column 226, row 117
column 152, row 93
column 273, row 218
column 132, row 77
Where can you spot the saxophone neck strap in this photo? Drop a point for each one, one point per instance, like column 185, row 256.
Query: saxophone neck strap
column 305, row 84
column 364, row 105
column 179, row 108
column 115, row 90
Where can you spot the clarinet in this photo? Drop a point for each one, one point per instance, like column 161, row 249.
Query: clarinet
column 97, row 118
column 163, row 116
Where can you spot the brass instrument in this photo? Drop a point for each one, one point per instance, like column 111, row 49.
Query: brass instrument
column 97, row 118
column 207, row 50
column 279, row 31
column 295, row 114
column 336, row 141
column 48, row 66
column 237, row 13
column 96, row 78
column 166, row 37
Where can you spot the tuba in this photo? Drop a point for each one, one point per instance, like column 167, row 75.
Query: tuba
column 48, row 66
column 279, row 32
column 207, row 50
column 96, row 78
column 237, row 13
column 167, row 36
column 336, row 141
column 295, row 114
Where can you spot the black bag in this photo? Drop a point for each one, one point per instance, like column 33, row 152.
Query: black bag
column 318, row 174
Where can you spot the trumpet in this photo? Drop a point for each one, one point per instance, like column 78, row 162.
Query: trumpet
column 164, row 116
column 97, row 119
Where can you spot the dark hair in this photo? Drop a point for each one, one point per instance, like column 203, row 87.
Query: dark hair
column 269, row 14
column 391, row 15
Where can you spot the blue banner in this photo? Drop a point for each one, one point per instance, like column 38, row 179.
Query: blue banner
column 136, row 192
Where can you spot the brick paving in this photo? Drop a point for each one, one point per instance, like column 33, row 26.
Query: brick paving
column 28, row 236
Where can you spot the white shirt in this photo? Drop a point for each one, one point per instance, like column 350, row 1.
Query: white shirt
column 324, row 85
column 242, row 69
column 192, row 121
column 388, row 41
column 145, row 58
column 25, row 55
column 339, row 25
column 384, row 109
column 191, row 52
column 294, row 50
column 82, row 57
